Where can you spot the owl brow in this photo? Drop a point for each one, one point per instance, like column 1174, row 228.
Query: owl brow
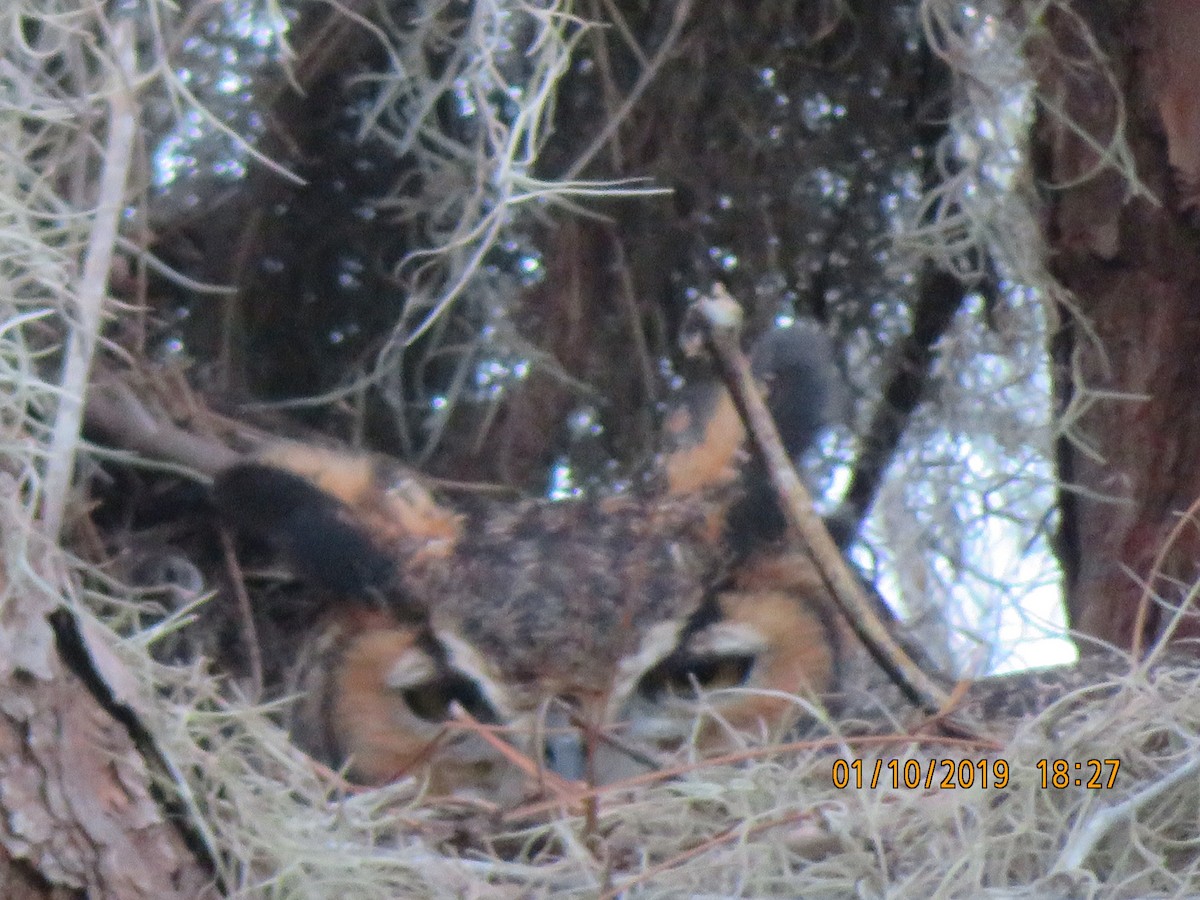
column 707, row 614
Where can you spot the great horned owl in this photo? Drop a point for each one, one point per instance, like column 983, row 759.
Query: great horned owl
column 662, row 615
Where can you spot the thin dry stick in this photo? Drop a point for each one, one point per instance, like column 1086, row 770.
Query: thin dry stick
column 1086, row 837
column 1190, row 517
column 565, row 791
column 604, row 736
column 722, row 317
column 89, row 296
column 615, row 119
column 628, row 297
column 740, row 831
column 966, row 745
column 246, row 614
column 115, row 408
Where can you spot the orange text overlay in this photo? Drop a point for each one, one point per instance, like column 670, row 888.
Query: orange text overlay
column 920, row 773
column 927, row 774
column 1093, row 774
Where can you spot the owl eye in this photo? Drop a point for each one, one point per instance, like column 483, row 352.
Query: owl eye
column 431, row 700
column 682, row 673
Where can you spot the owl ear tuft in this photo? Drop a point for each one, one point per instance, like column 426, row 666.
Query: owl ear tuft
column 319, row 534
column 709, row 446
column 804, row 390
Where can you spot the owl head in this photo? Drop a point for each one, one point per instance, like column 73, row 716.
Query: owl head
column 590, row 637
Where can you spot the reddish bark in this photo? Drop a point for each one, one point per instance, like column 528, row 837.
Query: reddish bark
column 76, row 810
column 592, row 330
column 1132, row 265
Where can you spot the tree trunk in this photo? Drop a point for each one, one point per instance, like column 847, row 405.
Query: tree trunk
column 77, row 816
column 1127, row 350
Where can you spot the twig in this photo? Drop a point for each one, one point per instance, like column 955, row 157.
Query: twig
column 769, row 751
column 742, row 831
column 627, row 294
column 1085, row 839
column 722, row 318
column 565, row 791
column 615, row 119
column 906, row 384
column 1189, row 517
column 604, row 736
column 115, row 409
column 152, row 262
column 89, row 297
column 246, row 614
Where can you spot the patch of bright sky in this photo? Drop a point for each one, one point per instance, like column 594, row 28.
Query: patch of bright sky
column 962, row 523
column 1029, row 628
column 1015, row 584
column 965, row 520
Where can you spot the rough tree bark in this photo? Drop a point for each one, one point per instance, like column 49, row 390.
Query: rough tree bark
column 1129, row 255
column 77, row 816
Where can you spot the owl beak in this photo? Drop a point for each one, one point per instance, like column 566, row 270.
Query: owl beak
column 563, row 750
column 564, row 754
column 575, row 752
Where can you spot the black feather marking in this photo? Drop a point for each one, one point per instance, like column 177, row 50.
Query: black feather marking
column 320, row 536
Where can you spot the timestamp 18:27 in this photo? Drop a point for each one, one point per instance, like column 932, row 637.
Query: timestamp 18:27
column 1061, row 773
column 1093, row 774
